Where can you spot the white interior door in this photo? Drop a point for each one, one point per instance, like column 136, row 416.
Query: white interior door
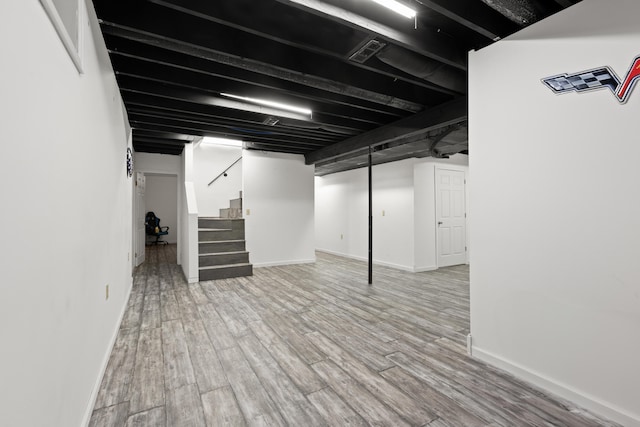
column 140, row 236
column 451, row 217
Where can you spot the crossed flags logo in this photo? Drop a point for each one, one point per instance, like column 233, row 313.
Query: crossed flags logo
column 597, row 78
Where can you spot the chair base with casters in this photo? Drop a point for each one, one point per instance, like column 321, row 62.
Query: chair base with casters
column 153, row 229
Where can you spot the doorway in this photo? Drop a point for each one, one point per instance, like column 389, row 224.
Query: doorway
column 161, row 197
column 139, row 226
column 451, row 217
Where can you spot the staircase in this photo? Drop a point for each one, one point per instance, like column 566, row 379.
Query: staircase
column 221, row 245
column 234, row 210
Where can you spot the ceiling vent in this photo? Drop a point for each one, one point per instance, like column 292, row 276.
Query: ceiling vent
column 369, row 49
column 270, row 121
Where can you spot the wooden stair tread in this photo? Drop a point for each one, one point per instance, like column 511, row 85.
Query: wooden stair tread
column 218, row 267
column 222, row 241
column 225, row 253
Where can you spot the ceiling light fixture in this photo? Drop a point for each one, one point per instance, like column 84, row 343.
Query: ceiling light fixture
column 397, row 7
column 278, row 105
column 221, row 141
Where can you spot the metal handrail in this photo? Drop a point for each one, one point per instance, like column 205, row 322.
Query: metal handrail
column 224, row 172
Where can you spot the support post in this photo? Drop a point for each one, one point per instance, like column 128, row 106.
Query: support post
column 370, row 222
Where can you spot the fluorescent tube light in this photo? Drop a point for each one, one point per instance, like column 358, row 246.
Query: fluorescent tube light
column 397, row 7
column 273, row 104
column 222, row 141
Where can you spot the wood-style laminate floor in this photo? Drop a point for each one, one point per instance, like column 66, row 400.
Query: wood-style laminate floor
column 309, row 345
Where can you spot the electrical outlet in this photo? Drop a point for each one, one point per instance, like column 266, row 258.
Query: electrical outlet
column 248, row 211
column 341, row 237
column 382, row 212
column 106, row 292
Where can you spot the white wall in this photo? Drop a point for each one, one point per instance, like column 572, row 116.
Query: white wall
column 555, row 278
column 278, row 192
column 157, row 163
column 342, row 212
column 404, row 237
column 188, row 218
column 66, row 218
column 332, row 213
column 161, row 197
column 210, row 161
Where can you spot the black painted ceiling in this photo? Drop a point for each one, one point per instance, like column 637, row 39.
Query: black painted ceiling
column 370, row 76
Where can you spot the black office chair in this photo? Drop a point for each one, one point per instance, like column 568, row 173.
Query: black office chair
column 152, row 228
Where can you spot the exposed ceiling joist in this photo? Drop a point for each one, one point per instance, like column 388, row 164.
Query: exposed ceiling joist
column 191, row 68
column 237, row 119
column 236, row 76
column 311, row 139
column 419, row 146
column 443, row 115
column 215, row 86
column 472, row 16
column 423, row 41
column 203, row 128
column 150, row 87
column 267, row 20
column 370, row 89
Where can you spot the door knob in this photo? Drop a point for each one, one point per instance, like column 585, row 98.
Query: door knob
column 439, row 222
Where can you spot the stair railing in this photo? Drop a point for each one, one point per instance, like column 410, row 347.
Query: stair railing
column 224, row 172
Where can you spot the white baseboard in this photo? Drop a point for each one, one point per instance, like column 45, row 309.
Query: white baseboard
column 382, row 263
column 585, row 401
column 423, row 269
column 105, row 361
column 330, row 252
column 396, row 266
column 279, row 263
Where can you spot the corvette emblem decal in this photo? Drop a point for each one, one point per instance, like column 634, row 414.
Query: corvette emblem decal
column 597, row 78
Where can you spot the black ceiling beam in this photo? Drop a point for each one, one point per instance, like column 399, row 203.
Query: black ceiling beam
column 131, row 49
column 159, row 140
column 217, row 85
column 443, row 115
column 202, row 129
column 322, row 139
column 140, row 141
column 281, row 62
column 415, row 145
column 257, row 128
column 138, row 85
column 156, row 150
column 281, row 148
column 473, row 15
column 160, row 146
column 343, row 79
column 162, row 135
column 275, row 21
column 423, row 41
column 135, row 97
column 154, row 147
column 235, row 117
column 147, row 18
column 205, row 129
column 281, row 23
